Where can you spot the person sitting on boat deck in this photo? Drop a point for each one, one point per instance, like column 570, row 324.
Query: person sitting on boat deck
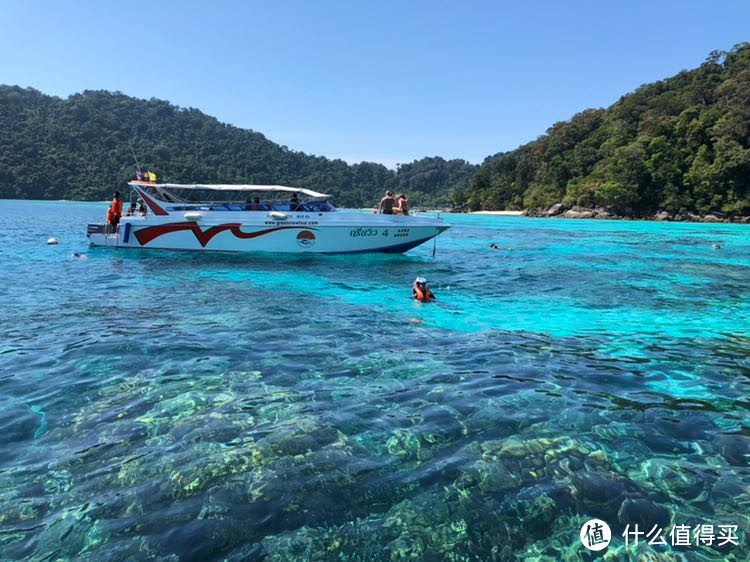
column 421, row 291
column 294, row 202
column 131, row 210
column 141, row 207
column 402, row 205
column 386, row 204
column 115, row 211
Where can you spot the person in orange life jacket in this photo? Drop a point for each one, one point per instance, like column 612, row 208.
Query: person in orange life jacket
column 421, row 291
column 115, row 210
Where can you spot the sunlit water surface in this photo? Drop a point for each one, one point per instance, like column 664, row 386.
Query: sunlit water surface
column 177, row 406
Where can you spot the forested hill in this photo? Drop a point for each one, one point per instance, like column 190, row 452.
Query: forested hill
column 680, row 145
column 77, row 148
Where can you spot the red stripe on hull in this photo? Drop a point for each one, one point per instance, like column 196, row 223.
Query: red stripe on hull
column 146, row 235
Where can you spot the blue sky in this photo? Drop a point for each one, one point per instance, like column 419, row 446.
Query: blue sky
column 381, row 81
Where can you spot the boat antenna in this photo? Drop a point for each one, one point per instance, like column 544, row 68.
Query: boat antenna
column 137, row 166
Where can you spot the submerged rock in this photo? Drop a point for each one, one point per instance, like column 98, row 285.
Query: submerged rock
column 534, row 507
column 510, row 463
column 644, row 513
column 663, row 444
column 300, row 436
column 600, row 494
column 680, row 483
column 685, row 428
column 735, row 448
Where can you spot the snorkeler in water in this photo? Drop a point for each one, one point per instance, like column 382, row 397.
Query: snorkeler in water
column 421, row 290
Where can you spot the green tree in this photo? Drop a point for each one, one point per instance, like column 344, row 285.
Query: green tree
column 77, row 148
column 680, row 144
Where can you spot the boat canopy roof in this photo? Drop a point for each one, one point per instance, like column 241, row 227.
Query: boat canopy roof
column 233, row 187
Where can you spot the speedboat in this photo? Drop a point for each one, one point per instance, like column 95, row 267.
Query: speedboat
column 257, row 218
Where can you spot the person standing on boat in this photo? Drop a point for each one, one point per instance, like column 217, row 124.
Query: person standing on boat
column 114, row 213
column 386, row 203
column 294, row 202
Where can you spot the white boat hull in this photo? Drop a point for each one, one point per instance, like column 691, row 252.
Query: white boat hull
column 338, row 232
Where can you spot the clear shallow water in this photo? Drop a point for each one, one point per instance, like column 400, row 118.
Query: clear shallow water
column 179, row 406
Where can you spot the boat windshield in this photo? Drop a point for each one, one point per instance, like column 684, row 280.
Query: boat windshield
column 302, row 206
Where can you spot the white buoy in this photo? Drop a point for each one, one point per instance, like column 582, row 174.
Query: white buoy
column 52, row 241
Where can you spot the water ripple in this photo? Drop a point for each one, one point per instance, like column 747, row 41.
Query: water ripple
column 172, row 406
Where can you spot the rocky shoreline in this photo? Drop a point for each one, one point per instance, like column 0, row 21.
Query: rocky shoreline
column 561, row 211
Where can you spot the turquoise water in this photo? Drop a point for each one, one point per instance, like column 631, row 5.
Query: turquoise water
column 167, row 406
